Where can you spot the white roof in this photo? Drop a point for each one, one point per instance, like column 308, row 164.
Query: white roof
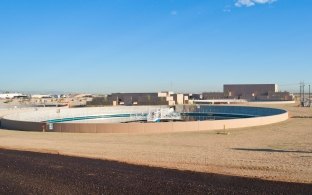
column 10, row 95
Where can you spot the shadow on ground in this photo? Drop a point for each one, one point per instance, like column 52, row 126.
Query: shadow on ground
column 37, row 173
column 271, row 150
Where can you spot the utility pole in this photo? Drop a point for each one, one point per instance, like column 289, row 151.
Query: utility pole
column 300, row 100
column 303, row 101
column 300, row 93
column 303, row 91
column 309, row 95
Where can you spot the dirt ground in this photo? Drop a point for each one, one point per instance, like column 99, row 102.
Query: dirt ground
column 37, row 173
column 281, row 152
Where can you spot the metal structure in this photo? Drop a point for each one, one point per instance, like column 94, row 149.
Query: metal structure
column 310, row 96
column 163, row 114
column 138, row 117
column 305, row 101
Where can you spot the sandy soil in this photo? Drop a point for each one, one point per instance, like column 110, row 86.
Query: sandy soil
column 37, row 173
column 280, row 151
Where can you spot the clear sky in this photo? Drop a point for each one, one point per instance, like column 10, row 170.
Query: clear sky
column 103, row 46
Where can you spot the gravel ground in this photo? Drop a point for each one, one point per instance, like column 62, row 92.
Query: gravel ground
column 37, row 173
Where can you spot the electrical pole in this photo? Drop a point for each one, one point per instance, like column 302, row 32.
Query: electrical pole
column 300, row 92
column 300, row 100
column 303, row 93
column 309, row 95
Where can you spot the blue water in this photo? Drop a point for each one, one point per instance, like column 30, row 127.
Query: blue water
column 206, row 112
column 194, row 113
column 212, row 116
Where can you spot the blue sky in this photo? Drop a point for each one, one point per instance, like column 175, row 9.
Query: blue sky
column 104, row 46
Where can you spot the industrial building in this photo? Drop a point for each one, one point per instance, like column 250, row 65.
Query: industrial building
column 12, row 96
column 161, row 98
column 250, row 92
column 39, row 96
column 256, row 92
column 128, row 99
column 231, row 94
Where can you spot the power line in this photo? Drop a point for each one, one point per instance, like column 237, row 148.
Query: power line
column 294, row 84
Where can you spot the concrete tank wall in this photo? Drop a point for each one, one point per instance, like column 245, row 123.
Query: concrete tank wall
column 16, row 122
column 145, row 127
column 168, row 126
column 22, row 125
